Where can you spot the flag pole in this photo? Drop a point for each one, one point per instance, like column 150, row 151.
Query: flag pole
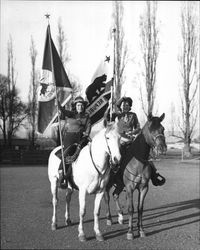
column 53, row 76
column 113, row 80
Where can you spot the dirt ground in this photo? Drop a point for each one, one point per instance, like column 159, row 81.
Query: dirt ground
column 171, row 212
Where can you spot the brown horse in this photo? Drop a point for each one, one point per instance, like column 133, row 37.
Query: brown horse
column 136, row 171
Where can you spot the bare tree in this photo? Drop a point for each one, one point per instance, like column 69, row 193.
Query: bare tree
column 32, row 97
column 65, row 57
column 173, row 119
column 15, row 107
column 188, row 59
column 12, row 109
column 150, row 50
column 3, row 106
column 62, row 43
column 121, row 49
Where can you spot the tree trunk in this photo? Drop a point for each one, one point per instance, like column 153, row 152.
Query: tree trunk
column 187, row 150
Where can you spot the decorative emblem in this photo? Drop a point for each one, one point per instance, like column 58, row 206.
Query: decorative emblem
column 46, row 90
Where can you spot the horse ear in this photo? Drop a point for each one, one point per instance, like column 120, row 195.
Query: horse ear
column 149, row 116
column 162, row 117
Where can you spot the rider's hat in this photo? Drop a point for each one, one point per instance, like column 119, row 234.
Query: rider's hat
column 79, row 99
column 129, row 100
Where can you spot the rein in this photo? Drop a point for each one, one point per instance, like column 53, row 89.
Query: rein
column 90, row 149
column 144, row 161
column 109, row 151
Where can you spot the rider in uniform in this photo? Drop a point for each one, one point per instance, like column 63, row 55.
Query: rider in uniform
column 129, row 123
column 130, row 128
column 75, row 128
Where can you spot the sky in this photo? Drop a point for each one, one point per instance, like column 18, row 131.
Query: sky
column 86, row 25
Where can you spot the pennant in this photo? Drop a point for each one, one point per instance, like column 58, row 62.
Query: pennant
column 98, row 92
column 54, row 80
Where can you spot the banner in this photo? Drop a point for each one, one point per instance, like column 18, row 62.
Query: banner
column 98, row 92
column 54, row 80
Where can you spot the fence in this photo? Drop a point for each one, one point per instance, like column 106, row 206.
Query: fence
column 24, row 156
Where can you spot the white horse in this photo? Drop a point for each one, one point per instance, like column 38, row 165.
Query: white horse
column 90, row 172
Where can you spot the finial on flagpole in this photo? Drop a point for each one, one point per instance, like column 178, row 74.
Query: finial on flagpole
column 47, row 17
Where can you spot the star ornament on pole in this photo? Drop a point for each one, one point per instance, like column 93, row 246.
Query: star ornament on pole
column 107, row 59
column 47, row 16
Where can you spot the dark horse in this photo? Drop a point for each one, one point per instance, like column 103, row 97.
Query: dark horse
column 135, row 170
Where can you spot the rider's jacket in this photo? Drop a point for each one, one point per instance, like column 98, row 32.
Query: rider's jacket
column 75, row 122
column 128, row 123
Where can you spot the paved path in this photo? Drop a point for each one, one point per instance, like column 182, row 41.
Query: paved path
column 171, row 216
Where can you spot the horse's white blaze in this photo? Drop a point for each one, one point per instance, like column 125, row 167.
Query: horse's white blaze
column 86, row 176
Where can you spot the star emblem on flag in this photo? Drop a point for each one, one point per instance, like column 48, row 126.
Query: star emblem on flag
column 107, row 59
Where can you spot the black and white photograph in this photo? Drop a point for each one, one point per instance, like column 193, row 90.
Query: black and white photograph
column 99, row 125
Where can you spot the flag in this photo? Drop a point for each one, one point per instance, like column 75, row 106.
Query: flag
column 98, row 92
column 54, row 80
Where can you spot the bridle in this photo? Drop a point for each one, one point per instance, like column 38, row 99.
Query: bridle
column 109, row 153
column 154, row 139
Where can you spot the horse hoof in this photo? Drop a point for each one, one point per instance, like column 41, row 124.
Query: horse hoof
column 142, row 234
column 82, row 238
column 130, row 236
column 121, row 221
column 68, row 222
column 53, row 227
column 109, row 222
column 99, row 237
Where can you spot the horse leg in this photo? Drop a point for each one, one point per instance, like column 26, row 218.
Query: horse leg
column 119, row 188
column 54, row 191
column 107, row 203
column 141, row 197
column 119, row 210
column 130, row 235
column 82, row 210
column 97, row 205
column 69, row 192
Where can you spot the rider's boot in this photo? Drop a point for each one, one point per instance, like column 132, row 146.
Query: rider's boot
column 156, row 178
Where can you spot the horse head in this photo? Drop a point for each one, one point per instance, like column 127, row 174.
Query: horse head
column 112, row 138
column 154, row 134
